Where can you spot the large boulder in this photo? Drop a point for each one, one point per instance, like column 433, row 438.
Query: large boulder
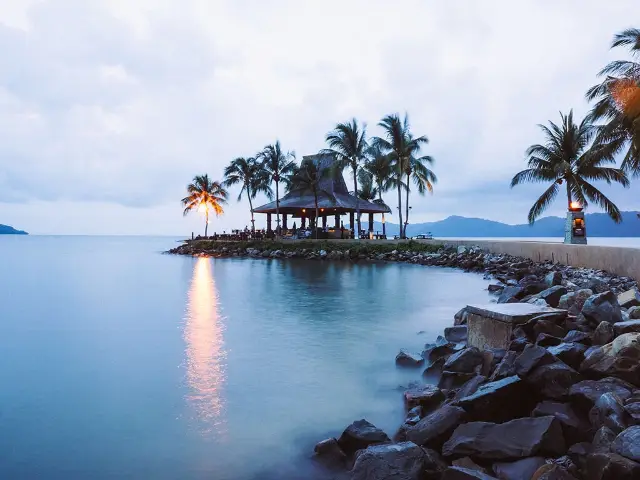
column 627, row 443
column 461, row 473
column 627, row 327
column 435, row 428
column 630, row 298
column 552, row 471
column 574, row 427
column 552, row 295
column 506, row 367
column 576, row 336
column 609, row 412
column 602, row 440
column 360, row 434
column 585, row 394
column 553, row 278
column 511, row 295
column 633, row 409
column 548, row 327
column 611, row 466
column 456, row 334
column 574, row 301
column 553, row 380
column 602, row 307
column 570, row 353
column 603, row 334
column 464, row 361
column 399, row 461
column 520, row 438
column 409, row 359
column 518, row 470
column 426, row 396
column 329, row 453
column 634, row 313
column 531, row 357
column 620, row 358
column 460, row 318
column 499, row 401
column 469, row 387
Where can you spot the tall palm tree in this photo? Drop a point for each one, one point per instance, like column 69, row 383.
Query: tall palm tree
column 308, row 178
column 205, row 195
column 254, row 179
column 348, row 143
column 416, row 169
column 378, row 168
column 278, row 165
column 368, row 190
column 618, row 101
column 567, row 157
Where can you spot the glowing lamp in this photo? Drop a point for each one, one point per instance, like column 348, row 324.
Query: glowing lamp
column 304, row 210
column 202, row 208
column 575, row 207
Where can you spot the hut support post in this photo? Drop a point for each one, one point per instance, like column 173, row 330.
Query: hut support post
column 351, row 224
column 371, row 222
column 303, row 222
column 268, row 222
column 324, row 221
column 337, row 219
column 284, row 221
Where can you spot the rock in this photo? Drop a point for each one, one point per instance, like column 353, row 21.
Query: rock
column 627, row 443
column 520, row 438
column 583, row 395
column 552, row 472
column 574, row 301
column 633, row 409
column 518, row 344
column 457, row 334
column 597, row 285
column 575, row 429
column 532, row 285
column 611, row 466
column 531, row 357
column 434, row 429
column 499, row 401
column 603, row 334
column 465, row 361
column 460, row 318
column 620, row 358
column 360, row 434
column 409, row 359
column 634, row 313
column 552, row 295
column 545, row 340
column 602, row 307
column 427, row 397
column 548, row 327
column 453, row 380
column 609, row 412
column 518, row 470
column 511, row 295
column 466, row 462
column 461, row 249
column 506, row 367
column 602, row 440
column 570, row 353
column 553, row 278
column 399, row 461
column 460, row 473
column 470, row 387
column 330, row 454
column 553, row 380
column 495, row 288
column 576, row 336
column 626, row 327
column 578, row 454
column 630, row 298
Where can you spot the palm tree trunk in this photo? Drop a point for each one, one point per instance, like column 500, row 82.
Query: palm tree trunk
column 384, row 226
column 400, row 196
column 277, row 206
column 568, row 196
column 206, row 222
column 315, row 220
column 355, row 189
column 253, row 221
column 406, row 220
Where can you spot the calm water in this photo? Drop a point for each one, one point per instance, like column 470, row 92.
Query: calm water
column 120, row 362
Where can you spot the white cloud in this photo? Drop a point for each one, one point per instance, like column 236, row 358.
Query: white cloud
column 121, row 103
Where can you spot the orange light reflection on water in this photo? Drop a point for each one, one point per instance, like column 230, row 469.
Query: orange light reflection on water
column 205, row 354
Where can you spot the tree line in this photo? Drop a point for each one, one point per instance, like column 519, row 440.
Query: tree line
column 377, row 165
column 577, row 154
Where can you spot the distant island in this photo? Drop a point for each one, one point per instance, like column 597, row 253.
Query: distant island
column 598, row 225
column 7, row 230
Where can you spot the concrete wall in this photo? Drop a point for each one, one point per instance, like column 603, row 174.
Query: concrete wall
column 622, row 261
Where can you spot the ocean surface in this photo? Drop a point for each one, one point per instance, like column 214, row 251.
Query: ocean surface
column 121, row 362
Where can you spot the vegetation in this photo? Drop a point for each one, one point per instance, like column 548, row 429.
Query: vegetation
column 308, row 177
column 205, row 195
column 278, row 165
column 254, row 179
column 377, row 170
column 569, row 156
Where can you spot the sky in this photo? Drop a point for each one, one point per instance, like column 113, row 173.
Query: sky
column 108, row 108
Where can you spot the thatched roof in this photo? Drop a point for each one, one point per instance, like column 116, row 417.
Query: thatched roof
column 342, row 201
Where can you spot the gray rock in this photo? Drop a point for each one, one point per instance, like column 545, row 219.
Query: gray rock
column 330, row 454
column 460, row 318
column 435, row 428
column 553, row 471
column 518, row 470
column 548, row 327
column 531, row 357
column 469, row 387
column 360, row 434
column 631, row 326
column 630, row 298
column 603, row 334
column 627, row 443
column 465, row 361
column 574, row 427
column 553, row 278
column 576, row 336
column 520, row 438
column 427, row 397
column 611, row 466
column 609, row 412
column 634, row 313
column 602, row 440
column 456, row 334
column 553, row 380
column 466, row 462
column 620, row 358
column 461, row 473
column 552, row 295
column 511, row 294
column 495, row 288
column 602, row 307
column 570, row 353
column 633, row 409
column 409, row 359
column 506, row 367
column 583, row 395
column 399, row 461
column 574, row 301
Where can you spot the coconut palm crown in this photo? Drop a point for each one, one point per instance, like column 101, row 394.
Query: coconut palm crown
column 308, row 178
column 378, row 170
column 278, row 165
column 568, row 157
column 205, row 194
column 249, row 173
column 416, row 169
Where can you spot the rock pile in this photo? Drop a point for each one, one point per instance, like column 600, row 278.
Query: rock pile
column 561, row 403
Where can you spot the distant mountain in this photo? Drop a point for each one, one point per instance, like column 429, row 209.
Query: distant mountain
column 598, row 225
column 6, row 229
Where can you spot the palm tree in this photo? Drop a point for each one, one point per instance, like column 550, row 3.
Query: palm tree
column 567, row 157
column 618, row 101
column 378, row 168
column 416, row 169
column 347, row 142
column 278, row 165
column 254, row 179
column 368, row 191
column 308, row 178
column 205, row 194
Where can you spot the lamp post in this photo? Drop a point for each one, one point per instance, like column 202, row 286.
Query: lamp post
column 575, row 231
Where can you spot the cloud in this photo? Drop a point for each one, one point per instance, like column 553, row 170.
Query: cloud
column 120, row 103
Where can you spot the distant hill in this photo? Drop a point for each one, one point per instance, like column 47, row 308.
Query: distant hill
column 6, row 230
column 598, row 225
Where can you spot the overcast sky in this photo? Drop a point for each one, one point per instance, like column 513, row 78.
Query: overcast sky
column 109, row 107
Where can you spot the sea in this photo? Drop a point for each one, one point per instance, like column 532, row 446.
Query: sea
column 121, row 362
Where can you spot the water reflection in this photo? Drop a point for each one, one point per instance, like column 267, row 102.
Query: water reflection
column 205, row 353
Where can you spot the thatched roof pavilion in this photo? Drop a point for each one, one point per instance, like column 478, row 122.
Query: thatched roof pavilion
column 301, row 204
